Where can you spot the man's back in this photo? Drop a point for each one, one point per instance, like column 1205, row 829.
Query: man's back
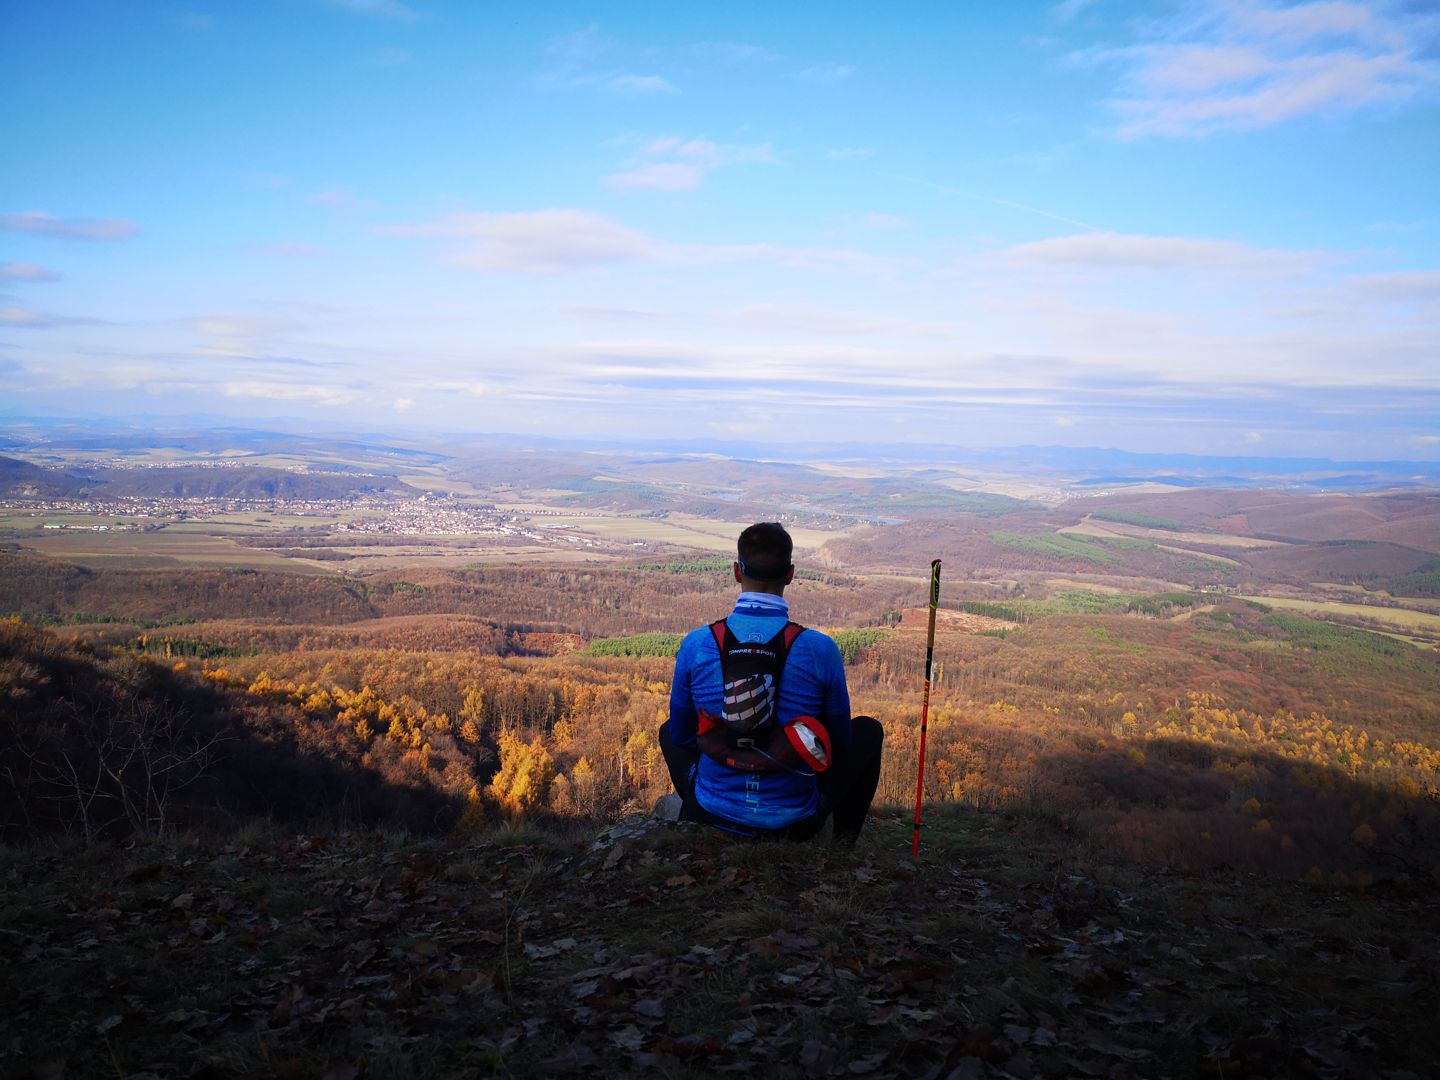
column 811, row 684
column 786, row 780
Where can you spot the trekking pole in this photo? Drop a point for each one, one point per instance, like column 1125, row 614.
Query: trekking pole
column 925, row 706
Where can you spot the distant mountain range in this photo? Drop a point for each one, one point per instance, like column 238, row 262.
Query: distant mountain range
column 21, row 479
column 458, row 453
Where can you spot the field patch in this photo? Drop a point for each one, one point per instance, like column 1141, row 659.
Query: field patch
column 1090, row 527
column 681, row 530
column 1402, row 618
column 1058, row 546
column 161, row 548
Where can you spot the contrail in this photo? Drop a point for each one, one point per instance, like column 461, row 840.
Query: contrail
column 945, row 189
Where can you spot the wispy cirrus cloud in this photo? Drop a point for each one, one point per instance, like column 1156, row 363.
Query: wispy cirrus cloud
column 675, row 164
column 18, row 316
column 24, row 318
column 239, row 336
column 1118, row 251
column 584, row 59
column 1402, row 285
column 384, row 9
column 641, row 84
column 825, row 74
column 1066, row 10
column 534, row 242
column 294, row 248
column 558, row 241
column 329, row 396
column 40, row 223
column 1239, row 65
column 14, row 271
column 829, row 322
column 340, row 199
column 731, row 52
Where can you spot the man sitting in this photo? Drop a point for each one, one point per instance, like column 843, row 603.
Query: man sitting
column 760, row 740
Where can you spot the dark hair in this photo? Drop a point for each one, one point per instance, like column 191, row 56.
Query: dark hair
column 765, row 551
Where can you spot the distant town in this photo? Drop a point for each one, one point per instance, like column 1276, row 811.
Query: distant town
column 428, row 515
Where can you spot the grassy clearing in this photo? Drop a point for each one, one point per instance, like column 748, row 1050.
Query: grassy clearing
column 1085, row 602
column 1089, row 527
column 621, row 529
column 167, row 548
column 1220, row 562
column 1059, row 546
column 1404, row 618
column 636, row 645
column 682, row 530
column 1146, row 521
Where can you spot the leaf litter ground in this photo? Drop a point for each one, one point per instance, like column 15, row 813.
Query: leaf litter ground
column 671, row 950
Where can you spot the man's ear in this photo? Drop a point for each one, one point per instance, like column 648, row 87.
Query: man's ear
column 790, row 574
column 736, row 568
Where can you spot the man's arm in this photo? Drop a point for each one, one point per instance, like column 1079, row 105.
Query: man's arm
column 684, row 721
column 835, row 712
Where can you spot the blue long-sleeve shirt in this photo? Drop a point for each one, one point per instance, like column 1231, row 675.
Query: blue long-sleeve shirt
column 812, row 684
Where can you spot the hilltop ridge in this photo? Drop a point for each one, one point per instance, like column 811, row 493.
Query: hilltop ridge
column 668, row 950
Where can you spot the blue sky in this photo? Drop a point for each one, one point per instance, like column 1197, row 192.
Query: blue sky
column 1198, row 227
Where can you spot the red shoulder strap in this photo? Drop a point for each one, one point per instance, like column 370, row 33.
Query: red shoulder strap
column 792, row 631
column 718, row 628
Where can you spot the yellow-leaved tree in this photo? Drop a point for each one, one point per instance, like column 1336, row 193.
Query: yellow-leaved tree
column 526, row 770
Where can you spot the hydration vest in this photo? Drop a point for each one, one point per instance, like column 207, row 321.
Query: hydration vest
column 748, row 734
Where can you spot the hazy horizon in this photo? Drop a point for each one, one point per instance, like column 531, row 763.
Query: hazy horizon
column 1199, row 228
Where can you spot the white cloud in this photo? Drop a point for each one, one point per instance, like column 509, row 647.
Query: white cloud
column 295, row 248
column 1398, row 226
column 795, row 258
column 660, row 176
column 571, row 61
column 610, row 314
column 14, row 316
column 1238, row 65
column 404, row 404
column 13, row 271
column 40, row 223
column 470, row 389
column 537, row 241
column 1325, row 18
column 239, row 335
column 34, row 320
column 641, row 84
column 320, row 395
column 675, row 164
column 828, row 322
column 1253, row 437
column 1119, row 251
column 561, row 241
column 267, row 180
column 733, row 53
column 825, row 74
column 339, row 200
column 1063, row 421
column 385, row 9
column 1402, row 286
column 1066, row 10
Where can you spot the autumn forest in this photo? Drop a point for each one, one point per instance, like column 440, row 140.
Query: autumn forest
column 1233, row 694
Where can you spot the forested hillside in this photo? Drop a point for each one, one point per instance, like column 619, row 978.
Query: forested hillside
column 1147, row 812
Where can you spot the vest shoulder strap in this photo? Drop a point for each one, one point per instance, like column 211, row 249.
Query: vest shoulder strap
column 724, row 638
